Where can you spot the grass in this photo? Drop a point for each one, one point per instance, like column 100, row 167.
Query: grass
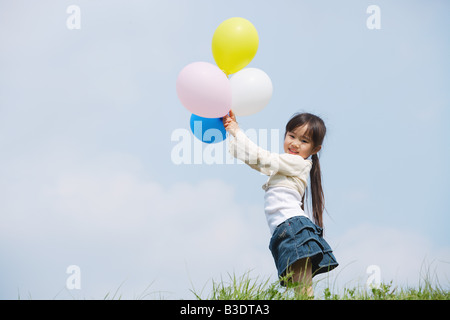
column 245, row 287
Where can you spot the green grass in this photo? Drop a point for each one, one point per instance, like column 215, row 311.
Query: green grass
column 245, row 287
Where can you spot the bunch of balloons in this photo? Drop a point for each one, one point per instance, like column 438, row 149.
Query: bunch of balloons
column 206, row 89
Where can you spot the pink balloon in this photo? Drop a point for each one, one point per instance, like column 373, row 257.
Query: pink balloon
column 204, row 90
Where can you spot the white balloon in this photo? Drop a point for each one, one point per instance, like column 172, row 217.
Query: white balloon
column 251, row 90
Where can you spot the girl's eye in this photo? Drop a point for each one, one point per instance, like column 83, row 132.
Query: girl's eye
column 304, row 141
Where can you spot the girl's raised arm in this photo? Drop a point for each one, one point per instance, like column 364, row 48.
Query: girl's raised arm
column 268, row 163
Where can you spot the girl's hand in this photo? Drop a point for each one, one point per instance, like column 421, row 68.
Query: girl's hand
column 230, row 124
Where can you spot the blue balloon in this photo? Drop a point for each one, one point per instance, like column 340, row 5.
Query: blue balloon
column 208, row 130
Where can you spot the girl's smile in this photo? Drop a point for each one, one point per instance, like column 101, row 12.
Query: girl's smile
column 297, row 142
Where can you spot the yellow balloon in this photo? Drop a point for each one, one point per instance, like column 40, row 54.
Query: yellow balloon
column 234, row 44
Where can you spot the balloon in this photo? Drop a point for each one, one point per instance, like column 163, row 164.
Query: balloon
column 204, row 90
column 208, row 130
column 251, row 91
column 234, row 44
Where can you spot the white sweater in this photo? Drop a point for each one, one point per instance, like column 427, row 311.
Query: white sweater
column 288, row 176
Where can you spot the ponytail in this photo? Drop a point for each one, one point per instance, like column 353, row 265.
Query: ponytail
column 318, row 199
column 317, row 196
column 316, row 130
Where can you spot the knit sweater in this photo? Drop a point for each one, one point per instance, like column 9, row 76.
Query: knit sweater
column 288, row 176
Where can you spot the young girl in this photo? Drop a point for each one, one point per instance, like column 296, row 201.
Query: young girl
column 297, row 244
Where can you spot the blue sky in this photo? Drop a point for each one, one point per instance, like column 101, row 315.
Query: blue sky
column 86, row 119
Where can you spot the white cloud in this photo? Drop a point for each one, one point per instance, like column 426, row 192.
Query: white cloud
column 404, row 256
column 101, row 215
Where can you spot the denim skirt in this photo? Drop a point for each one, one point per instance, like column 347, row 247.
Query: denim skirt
column 298, row 238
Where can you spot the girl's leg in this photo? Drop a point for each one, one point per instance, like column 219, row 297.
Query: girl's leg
column 301, row 271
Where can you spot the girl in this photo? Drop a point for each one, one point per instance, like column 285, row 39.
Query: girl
column 297, row 245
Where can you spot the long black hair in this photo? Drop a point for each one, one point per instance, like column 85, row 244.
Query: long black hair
column 315, row 130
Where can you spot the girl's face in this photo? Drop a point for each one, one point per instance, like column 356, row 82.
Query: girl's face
column 298, row 143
